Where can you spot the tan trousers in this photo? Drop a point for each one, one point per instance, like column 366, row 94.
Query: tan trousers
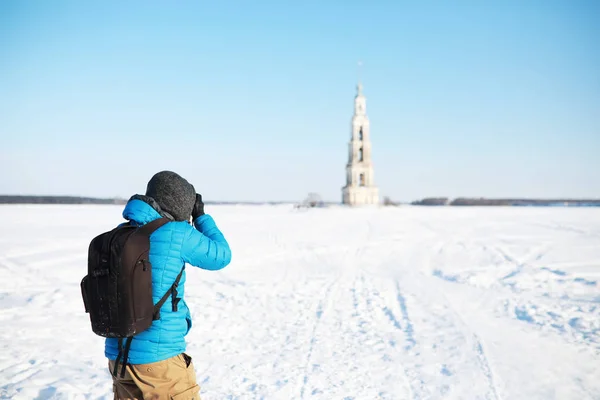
column 170, row 379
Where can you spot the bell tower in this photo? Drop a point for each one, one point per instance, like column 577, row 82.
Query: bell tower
column 360, row 188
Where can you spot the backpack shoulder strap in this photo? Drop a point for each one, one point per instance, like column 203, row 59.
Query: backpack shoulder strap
column 151, row 226
column 122, row 354
column 173, row 292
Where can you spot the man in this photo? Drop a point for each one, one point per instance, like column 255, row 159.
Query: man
column 157, row 366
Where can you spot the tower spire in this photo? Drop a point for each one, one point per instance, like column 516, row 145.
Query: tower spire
column 358, row 78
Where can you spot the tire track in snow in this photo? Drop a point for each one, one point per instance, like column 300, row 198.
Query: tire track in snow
column 14, row 271
column 320, row 309
column 408, row 337
column 351, row 253
column 479, row 348
column 408, row 327
column 533, row 256
column 565, row 228
column 455, row 330
column 456, row 334
column 392, row 318
column 485, row 366
column 366, row 311
column 518, row 265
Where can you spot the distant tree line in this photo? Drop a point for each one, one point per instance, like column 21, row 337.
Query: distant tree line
column 4, row 199
column 15, row 199
column 432, row 201
column 466, row 201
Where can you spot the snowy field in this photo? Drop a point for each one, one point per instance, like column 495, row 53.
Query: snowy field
column 390, row 303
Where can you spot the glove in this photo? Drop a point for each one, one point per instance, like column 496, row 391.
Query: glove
column 198, row 209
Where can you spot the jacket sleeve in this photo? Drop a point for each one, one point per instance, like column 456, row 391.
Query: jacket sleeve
column 205, row 247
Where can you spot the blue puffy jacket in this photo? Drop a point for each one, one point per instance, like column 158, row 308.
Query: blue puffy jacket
column 171, row 245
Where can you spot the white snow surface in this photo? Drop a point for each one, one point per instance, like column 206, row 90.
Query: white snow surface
column 334, row 303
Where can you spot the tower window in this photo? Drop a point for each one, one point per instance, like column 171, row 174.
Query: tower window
column 362, row 179
column 360, row 154
column 360, row 134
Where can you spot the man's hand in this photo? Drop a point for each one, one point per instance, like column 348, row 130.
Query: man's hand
column 198, row 209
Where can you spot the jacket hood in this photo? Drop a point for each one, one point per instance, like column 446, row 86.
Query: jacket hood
column 143, row 209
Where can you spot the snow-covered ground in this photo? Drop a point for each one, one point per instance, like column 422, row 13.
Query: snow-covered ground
column 389, row 303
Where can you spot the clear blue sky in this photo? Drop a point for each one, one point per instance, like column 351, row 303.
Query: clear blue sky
column 252, row 100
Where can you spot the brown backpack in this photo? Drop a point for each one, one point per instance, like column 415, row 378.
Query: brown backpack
column 117, row 291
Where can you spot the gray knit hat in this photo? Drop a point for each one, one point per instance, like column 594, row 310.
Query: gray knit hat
column 173, row 194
